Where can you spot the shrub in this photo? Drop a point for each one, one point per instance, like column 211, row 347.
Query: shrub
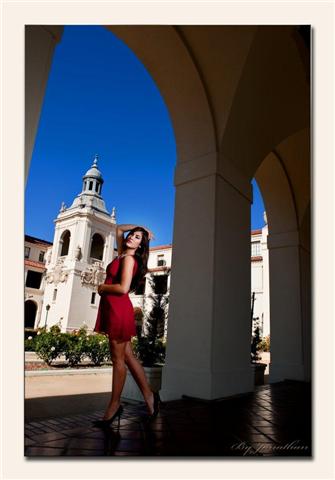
column 73, row 348
column 49, row 345
column 97, row 348
column 264, row 344
column 149, row 351
column 150, row 347
column 29, row 344
column 254, row 346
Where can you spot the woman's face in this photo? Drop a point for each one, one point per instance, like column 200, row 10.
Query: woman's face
column 134, row 239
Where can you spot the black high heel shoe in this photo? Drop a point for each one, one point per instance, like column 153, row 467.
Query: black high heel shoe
column 157, row 403
column 109, row 421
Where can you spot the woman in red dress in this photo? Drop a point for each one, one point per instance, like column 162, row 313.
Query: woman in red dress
column 116, row 316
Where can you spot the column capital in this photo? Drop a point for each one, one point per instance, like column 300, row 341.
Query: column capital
column 285, row 239
column 208, row 165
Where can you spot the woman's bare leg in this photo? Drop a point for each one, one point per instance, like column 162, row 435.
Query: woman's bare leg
column 117, row 350
column 137, row 371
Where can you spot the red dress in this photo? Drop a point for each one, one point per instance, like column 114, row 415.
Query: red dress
column 116, row 312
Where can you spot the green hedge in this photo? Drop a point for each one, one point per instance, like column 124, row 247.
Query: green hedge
column 50, row 344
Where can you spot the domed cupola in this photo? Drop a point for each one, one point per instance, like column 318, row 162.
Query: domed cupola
column 90, row 195
column 92, row 180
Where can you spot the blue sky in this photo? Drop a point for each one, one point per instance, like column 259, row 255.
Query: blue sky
column 101, row 99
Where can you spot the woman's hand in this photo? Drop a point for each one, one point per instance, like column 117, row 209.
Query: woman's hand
column 150, row 234
column 101, row 288
column 121, row 229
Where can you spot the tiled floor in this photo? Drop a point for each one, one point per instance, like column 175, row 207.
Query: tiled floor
column 275, row 420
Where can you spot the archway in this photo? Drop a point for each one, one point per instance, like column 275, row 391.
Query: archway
column 30, row 310
column 289, row 256
column 65, row 243
column 97, row 247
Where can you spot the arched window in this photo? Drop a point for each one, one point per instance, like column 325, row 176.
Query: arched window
column 30, row 309
column 65, row 242
column 97, row 247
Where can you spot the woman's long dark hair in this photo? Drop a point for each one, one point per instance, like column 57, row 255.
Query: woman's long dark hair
column 142, row 255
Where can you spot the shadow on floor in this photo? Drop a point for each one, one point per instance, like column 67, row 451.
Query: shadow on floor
column 274, row 420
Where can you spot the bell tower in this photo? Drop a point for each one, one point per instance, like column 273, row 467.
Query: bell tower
column 83, row 246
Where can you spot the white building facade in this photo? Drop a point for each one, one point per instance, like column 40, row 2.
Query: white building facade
column 34, row 279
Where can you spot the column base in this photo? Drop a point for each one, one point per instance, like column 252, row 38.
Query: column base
column 204, row 384
column 289, row 371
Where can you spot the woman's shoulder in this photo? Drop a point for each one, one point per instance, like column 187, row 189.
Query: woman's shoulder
column 127, row 259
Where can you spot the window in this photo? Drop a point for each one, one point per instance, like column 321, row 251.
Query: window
column 54, row 295
column 97, row 247
column 160, row 284
column 255, row 249
column 33, row 279
column 26, row 252
column 141, row 289
column 160, row 261
column 65, row 242
column 96, row 187
column 93, row 298
column 41, row 256
column 90, row 186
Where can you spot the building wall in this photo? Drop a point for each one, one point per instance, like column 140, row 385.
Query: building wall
column 33, row 262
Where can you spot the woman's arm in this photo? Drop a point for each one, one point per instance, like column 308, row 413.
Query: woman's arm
column 127, row 266
column 121, row 229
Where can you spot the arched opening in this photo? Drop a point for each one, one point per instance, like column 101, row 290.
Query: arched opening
column 65, row 243
column 97, row 247
column 281, row 178
column 260, row 307
column 30, row 310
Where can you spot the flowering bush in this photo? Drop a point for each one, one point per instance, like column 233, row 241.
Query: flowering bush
column 29, row 344
column 97, row 348
column 74, row 346
column 49, row 345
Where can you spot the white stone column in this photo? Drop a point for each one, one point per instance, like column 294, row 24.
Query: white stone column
column 287, row 327
column 208, row 343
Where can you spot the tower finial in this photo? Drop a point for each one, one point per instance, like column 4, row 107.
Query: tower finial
column 96, row 156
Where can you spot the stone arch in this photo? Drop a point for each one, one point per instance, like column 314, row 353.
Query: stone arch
column 277, row 195
column 283, row 180
column 30, row 311
column 269, row 104
column 65, row 243
column 97, row 246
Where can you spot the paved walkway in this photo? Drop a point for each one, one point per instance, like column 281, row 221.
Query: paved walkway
column 275, row 420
